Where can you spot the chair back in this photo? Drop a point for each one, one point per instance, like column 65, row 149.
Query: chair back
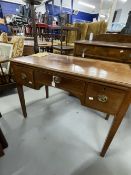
column 4, row 37
column 18, row 46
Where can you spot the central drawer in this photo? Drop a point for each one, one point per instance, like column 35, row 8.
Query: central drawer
column 61, row 81
column 104, row 98
column 69, row 84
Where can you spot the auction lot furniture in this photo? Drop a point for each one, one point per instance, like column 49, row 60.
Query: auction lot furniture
column 109, row 51
column 5, row 75
column 101, row 85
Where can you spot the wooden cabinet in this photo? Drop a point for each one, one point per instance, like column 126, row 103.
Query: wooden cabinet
column 104, row 98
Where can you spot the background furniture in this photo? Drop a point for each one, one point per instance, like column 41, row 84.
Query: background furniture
column 121, row 38
column 104, row 86
column 64, row 47
column 103, row 48
column 9, row 50
column 5, row 76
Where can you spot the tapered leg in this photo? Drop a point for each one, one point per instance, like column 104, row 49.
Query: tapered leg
column 1, row 150
column 47, row 91
column 0, row 115
column 107, row 116
column 22, row 99
column 115, row 124
column 3, row 140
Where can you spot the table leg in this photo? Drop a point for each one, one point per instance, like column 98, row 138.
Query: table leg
column 107, row 116
column 115, row 124
column 47, row 91
column 22, row 99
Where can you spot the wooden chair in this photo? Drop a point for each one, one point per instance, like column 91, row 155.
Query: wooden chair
column 5, row 55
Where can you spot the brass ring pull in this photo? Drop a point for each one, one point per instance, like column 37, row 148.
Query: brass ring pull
column 102, row 98
column 57, row 79
column 23, row 76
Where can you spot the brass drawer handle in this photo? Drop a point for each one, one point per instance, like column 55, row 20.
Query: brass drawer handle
column 23, row 76
column 57, row 79
column 102, row 98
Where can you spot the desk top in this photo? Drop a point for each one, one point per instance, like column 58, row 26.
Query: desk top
column 116, row 73
column 105, row 44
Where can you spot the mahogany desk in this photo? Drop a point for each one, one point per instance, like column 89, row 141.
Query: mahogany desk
column 101, row 85
column 104, row 50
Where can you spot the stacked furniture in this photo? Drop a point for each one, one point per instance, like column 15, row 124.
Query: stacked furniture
column 96, row 28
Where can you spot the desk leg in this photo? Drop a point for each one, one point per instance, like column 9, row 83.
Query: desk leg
column 47, row 91
column 115, row 124
column 22, row 99
column 107, row 116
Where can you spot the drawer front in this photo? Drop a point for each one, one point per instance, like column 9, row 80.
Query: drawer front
column 69, row 84
column 42, row 78
column 59, row 81
column 23, row 75
column 103, row 98
column 107, row 53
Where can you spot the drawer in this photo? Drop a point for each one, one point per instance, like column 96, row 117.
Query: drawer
column 42, row 78
column 73, row 85
column 23, row 75
column 104, row 98
column 106, row 53
column 59, row 81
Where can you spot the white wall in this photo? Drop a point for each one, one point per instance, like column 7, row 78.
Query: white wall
column 126, row 7
column 67, row 4
column 15, row 1
column 41, row 8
